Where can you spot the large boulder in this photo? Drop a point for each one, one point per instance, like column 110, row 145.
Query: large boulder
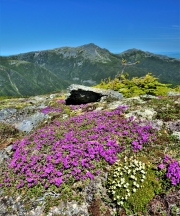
column 79, row 94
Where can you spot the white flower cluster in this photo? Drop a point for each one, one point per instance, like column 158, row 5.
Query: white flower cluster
column 126, row 177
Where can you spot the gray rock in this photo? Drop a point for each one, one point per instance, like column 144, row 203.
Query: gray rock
column 4, row 113
column 5, row 153
column 156, row 124
column 79, row 94
column 27, row 125
column 136, row 99
column 173, row 125
column 145, row 114
column 37, row 211
column 146, row 97
column 70, row 209
column 116, row 104
column 172, row 93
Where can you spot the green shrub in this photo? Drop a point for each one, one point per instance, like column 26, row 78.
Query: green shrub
column 177, row 88
column 136, row 86
column 132, row 183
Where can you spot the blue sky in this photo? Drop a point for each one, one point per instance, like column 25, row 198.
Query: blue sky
column 117, row 25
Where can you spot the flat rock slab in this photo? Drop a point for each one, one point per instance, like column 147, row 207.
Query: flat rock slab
column 79, row 94
column 27, row 125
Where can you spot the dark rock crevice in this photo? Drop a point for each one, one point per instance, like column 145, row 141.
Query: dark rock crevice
column 79, row 96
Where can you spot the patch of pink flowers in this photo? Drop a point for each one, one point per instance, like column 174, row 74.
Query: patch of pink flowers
column 172, row 169
column 74, row 148
column 49, row 109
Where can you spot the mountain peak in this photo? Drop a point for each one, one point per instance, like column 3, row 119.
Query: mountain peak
column 131, row 51
column 93, row 52
column 90, row 45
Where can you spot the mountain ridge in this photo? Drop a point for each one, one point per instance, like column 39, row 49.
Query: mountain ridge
column 92, row 44
column 88, row 65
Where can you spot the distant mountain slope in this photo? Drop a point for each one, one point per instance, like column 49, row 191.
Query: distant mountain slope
column 25, row 78
column 171, row 54
column 165, row 68
column 86, row 64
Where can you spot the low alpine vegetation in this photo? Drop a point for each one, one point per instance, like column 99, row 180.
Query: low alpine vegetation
column 74, row 149
column 79, row 142
column 169, row 171
column 135, row 86
column 132, row 183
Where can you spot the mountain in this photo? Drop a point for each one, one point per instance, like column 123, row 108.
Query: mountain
column 86, row 64
column 22, row 78
column 30, row 73
column 165, row 68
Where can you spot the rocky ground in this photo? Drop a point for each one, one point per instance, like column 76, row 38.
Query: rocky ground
column 19, row 117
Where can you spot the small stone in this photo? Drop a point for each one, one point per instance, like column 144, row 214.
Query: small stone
column 177, row 134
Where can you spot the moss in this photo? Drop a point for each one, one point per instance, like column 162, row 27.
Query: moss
column 140, row 199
